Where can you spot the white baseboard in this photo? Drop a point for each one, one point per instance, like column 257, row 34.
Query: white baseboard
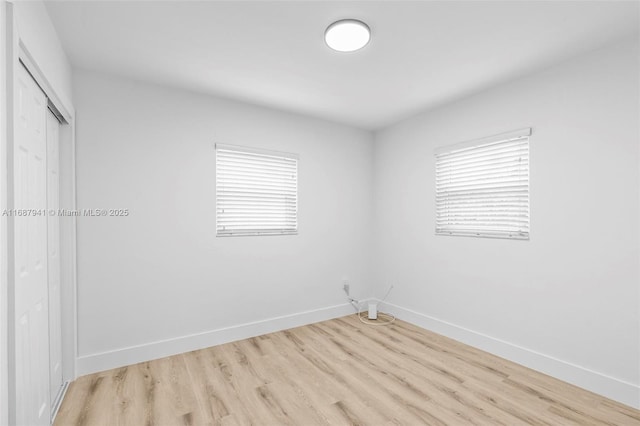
column 610, row 387
column 134, row 354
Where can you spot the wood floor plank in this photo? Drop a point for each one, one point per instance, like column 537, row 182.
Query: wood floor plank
column 337, row 372
column 335, row 381
column 375, row 389
column 420, row 382
column 209, row 392
column 445, row 381
column 444, row 390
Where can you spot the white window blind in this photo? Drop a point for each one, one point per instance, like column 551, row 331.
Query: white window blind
column 482, row 187
column 256, row 191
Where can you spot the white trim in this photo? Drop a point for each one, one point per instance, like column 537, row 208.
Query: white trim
column 31, row 65
column 145, row 352
column 4, row 315
column 58, row 402
column 514, row 134
column 610, row 387
column 68, row 250
column 11, row 64
column 254, row 150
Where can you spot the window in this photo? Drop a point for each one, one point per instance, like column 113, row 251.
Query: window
column 482, row 187
column 256, row 192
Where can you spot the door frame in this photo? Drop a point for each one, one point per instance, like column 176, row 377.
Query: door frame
column 18, row 53
column 4, row 369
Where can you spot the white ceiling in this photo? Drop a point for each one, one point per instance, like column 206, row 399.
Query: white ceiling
column 272, row 53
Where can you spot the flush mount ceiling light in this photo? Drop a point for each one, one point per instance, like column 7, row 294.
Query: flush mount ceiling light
column 347, row 35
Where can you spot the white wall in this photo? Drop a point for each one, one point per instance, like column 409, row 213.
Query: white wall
column 566, row 301
column 161, row 273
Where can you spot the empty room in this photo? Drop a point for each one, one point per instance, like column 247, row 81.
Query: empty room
column 319, row 212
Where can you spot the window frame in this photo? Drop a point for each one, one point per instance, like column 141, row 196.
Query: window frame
column 511, row 136
column 259, row 152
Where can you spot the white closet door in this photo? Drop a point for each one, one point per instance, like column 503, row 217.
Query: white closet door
column 30, row 256
column 53, row 204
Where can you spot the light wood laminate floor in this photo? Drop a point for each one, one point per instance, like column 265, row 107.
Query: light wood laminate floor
column 335, row 372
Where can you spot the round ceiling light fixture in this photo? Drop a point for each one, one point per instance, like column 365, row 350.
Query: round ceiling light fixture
column 347, row 35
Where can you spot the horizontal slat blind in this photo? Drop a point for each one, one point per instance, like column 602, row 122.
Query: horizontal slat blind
column 483, row 190
column 256, row 192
